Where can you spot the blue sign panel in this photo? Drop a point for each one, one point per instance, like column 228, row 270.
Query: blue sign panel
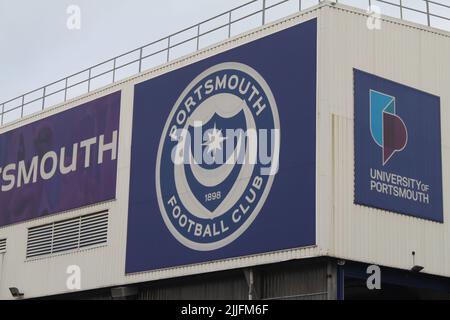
column 59, row 163
column 223, row 155
column 397, row 148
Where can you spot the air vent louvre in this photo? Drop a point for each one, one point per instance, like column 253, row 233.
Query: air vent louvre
column 71, row 234
column 2, row 246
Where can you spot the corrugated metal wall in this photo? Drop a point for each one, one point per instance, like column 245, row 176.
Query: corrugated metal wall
column 284, row 281
column 305, row 281
column 404, row 53
column 222, row 286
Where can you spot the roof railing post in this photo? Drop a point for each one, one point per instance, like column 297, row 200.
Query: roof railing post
column 89, row 80
column 65, row 89
column 401, row 9
column 43, row 98
column 263, row 12
column 229, row 23
column 140, row 59
column 114, row 70
column 3, row 112
column 198, row 36
column 428, row 13
column 21, row 107
column 168, row 48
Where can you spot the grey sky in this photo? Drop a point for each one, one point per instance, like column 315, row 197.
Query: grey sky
column 37, row 48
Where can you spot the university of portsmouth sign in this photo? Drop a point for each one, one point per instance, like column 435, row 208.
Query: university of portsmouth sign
column 59, row 163
column 397, row 148
column 223, row 155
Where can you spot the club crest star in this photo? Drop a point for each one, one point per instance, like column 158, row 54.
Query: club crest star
column 214, row 140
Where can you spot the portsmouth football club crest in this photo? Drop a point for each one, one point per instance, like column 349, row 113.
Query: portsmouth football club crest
column 218, row 156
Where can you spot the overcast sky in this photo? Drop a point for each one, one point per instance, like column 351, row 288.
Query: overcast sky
column 37, row 48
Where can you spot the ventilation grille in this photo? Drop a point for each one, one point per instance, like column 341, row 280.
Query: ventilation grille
column 2, row 246
column 72, row 234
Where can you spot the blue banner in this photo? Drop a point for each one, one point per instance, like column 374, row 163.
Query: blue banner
column 223, row 155
column 59, row 163
column 397, row 148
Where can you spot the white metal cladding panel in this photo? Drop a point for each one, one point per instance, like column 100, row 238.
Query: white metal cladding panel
column 105, row 266
column 408, row 55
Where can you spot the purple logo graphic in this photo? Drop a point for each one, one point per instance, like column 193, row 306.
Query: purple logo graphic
column 387, row 128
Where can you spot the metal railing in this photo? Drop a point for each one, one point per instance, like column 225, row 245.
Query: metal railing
column 38, row 99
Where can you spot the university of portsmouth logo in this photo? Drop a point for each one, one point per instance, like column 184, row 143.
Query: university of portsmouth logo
column 218, row 156
column 387, row 128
